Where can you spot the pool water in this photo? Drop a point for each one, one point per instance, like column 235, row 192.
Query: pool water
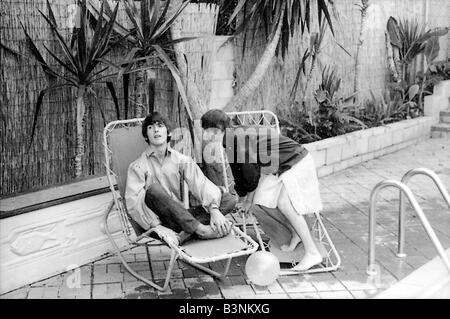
column 432, row 280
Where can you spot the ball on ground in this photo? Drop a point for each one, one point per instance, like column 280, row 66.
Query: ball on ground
column 262, row 268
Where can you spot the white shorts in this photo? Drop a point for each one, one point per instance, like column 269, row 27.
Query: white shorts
column 299, row 182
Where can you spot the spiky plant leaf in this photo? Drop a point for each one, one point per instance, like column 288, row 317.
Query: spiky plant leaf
column 412, row 91
column 37, row 109
column 266, row 15
column 37, row 55
column 176, row 75
column 394, row 32
column 112, row 91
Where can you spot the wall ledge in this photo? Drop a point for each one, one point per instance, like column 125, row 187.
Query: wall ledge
column 340, row 152
column 30, row 201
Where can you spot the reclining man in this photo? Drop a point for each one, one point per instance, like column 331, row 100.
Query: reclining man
column 154, row 190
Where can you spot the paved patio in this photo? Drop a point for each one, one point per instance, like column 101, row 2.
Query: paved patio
column 346, row 201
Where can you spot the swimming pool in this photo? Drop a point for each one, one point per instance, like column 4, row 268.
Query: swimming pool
column 431, row 281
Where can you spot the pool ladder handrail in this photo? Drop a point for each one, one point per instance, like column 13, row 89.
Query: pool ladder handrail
column 405, row 190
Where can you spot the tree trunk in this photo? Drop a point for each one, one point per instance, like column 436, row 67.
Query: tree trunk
column 139, row 93
column 255, row 79
column 356, row 82
column 306, row 88
column 81, row 110
column 151, row 78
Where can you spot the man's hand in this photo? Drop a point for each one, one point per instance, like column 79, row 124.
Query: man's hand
column 243, row 207
column 242, row 199
column 167, row 234
column 219, row 222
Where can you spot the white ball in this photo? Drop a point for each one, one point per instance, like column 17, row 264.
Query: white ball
column 262, row 268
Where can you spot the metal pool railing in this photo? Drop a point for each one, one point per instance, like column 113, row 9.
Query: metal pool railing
column 405, row 190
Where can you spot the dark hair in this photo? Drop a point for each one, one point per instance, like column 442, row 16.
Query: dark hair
column 215, row 118
column 153, row 118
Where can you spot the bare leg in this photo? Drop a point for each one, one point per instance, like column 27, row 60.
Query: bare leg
column 312, row 255
column 295, row 240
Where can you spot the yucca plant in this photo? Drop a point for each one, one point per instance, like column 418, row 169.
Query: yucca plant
column 311, row 53
column 409, row 39
column 388, row 108
column 331, row 82
column 78, row 66
column 147, row 39
column 333, row 116
column 311, row 58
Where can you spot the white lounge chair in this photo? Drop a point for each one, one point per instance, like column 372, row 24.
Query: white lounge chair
column 123, row 143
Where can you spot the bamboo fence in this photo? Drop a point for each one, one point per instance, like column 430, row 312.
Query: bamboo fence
column 48, row 160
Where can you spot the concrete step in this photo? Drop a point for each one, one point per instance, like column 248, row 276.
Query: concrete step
column 441, row 130
column 445, row 117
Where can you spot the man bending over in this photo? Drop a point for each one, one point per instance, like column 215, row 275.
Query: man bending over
column 155, row 186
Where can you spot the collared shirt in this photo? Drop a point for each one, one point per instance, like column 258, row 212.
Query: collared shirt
column 169, row 174
column 252, row 150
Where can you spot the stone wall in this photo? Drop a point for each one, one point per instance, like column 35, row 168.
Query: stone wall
column 337, row 153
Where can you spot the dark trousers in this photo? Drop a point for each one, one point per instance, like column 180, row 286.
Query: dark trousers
column 173, row 215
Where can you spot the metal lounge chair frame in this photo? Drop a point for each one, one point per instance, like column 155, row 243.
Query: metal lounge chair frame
column 332, row 260
column 136, row 236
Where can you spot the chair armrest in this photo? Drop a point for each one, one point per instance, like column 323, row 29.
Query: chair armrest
column 162, row 237
column 146, row 233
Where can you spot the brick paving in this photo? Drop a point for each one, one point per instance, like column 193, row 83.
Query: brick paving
column 346, row 199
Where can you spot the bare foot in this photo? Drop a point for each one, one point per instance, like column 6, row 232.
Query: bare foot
column 295, row 240
column 308, row 261
column 206, row 232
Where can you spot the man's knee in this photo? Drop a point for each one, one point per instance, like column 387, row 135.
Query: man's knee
column 155, row 189
column 156, row 196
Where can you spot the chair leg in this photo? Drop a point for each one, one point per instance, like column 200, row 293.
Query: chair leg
column 207, row 270
column 330, row 242
column 148, row 258
column 119, row 253
column 173, row 259
column 330, row 265
column 227, row 266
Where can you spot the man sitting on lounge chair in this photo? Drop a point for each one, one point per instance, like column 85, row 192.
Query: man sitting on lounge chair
column 154, row 190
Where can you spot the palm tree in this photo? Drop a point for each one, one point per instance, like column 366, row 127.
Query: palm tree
column 280, row 18
column 79, row 61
